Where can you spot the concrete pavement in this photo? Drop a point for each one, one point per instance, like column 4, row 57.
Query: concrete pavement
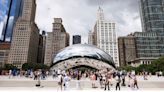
column 153, row 83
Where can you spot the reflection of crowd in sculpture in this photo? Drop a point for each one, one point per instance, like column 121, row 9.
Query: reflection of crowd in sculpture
column 67, row 64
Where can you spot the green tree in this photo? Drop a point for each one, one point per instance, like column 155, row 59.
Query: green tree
column 9, row 66
column 34, row 66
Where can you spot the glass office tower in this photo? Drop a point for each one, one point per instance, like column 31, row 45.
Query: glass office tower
column 152, row 15
column 10, row 10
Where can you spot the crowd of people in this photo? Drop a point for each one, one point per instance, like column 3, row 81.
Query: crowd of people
column 42, row 74
column 104, row 79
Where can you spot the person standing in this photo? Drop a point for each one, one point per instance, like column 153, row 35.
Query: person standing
column 78, row 85
column 107, row 81
column 66, row 82
column 35, row 75
column 92, row 77
column 101, row 80
column 123, row 79
column 135, row 82
column 118, row 80
column 60, row 82
column 10, row 73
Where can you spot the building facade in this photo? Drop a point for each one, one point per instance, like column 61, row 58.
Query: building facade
column 127, row 50
column 76, row 39
column 25, row 39
column 90, row 38
column 144, row 48
column 56, row 40
column 10, row 11
column 149, row 44
column 4, row 53
column 152, row 15
column 41, row 47
column 105, row 36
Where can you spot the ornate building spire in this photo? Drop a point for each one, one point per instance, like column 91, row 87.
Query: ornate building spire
column 100, row 14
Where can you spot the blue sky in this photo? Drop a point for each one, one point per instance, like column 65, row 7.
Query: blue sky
column 3, row 8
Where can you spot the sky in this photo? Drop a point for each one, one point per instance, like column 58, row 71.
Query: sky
column 3, row 7
column 79, row 16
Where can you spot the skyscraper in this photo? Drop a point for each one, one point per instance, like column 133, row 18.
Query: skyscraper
column 10, row 10
column 76, row 39
column 41, row 47
column 152, row 15
column 149, row 44
column 25, row 39
column 105, row 35
column 56, row 40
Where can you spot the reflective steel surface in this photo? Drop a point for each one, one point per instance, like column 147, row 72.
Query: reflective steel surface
column 83, row 50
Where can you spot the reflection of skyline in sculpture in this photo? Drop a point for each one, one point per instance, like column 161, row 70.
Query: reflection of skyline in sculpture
column 81, row 51
column 10, row 10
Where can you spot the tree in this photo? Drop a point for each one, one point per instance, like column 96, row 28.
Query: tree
column 34, row 66
column 9, row 67
column 155, row 66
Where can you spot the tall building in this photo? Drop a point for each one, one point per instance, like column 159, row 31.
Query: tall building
column 146, row 49
column 56, row 40
column 10, row 10
column 152, row 15
column 127, row 50
column 4, row 53
column 48, row 49
column 41, row 47
column 149, row 44
column 76, row 39
column 44, row 46
column 105, row 36
column 25, row 39
column 90, row 38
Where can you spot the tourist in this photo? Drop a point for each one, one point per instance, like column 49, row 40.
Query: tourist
column 31, row 74
column 118, row 80
column 123, row 79
column 145, row 75
column 101, row 80
column 35, row 75
column 78, row 85
column 93, row 79
column 59, row 72
column 60, row 81
column 135, row 82
column 10, row 73
column 47, row 73
column 107, row 81
column 53, row 74
column 131, row 82
column 66, row 82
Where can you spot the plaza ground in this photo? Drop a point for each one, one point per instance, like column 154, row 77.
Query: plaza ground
column 22, row 83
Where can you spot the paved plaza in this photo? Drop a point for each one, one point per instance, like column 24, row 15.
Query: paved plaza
column 19, row 83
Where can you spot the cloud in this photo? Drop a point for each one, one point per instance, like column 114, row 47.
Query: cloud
column 79, row 16
column 1, row 27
